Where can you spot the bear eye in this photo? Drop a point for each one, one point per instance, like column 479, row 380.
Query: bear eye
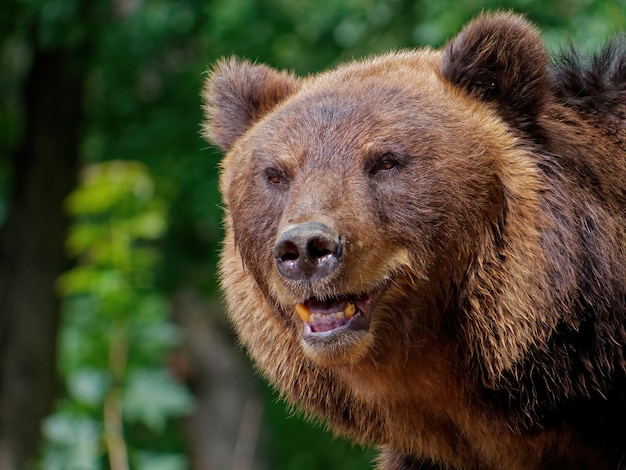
column 275, row 177
column 385, row 162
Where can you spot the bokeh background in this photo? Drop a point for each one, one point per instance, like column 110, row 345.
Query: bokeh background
column 114, row 350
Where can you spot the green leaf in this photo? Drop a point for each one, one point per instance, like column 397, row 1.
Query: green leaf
column 160, row 461
column 149, row 224
column 83, row 236
column 90, row 279
column 107, row 185
column 88, row 385
column 78, row 280
column 71, row 443
column 151, row 396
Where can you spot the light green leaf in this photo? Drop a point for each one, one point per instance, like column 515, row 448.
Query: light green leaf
column 71, row 443
column 158, row 461
column 150, row 224
column 151, row 396
column 107, row 185
column 78, row 280
column 88, row 385
column 83, row 236
column 90, row 279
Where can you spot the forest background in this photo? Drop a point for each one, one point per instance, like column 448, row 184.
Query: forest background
column 114, row 350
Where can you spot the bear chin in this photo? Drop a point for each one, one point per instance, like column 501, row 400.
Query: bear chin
column 342, row 347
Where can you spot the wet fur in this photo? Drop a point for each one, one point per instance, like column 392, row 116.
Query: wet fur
column 499, row 341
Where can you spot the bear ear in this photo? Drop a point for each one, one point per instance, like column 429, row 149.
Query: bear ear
column 236, row 94
column 501, row 58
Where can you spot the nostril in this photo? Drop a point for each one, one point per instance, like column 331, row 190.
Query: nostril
column 318, row 248
column 289, row 251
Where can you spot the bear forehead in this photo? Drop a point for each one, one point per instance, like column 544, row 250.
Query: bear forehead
column 393, row 82
column 406, row 69
column 400, row 97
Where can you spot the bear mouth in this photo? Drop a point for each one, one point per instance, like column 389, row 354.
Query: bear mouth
column 327, row 317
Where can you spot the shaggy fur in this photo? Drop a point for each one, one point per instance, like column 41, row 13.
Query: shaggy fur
column 479, row 196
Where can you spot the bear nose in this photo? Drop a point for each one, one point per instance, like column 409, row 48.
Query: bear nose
column 306, row 251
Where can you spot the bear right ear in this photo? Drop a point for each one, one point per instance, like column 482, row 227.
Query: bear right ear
column 236, row 94
column 501, row 58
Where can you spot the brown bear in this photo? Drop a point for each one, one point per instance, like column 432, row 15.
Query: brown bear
column 427, row 249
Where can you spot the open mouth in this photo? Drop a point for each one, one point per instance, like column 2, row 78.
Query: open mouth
column 329, row 316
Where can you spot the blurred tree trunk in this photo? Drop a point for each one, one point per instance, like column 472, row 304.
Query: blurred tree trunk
column 223, row 431
column 32, row 251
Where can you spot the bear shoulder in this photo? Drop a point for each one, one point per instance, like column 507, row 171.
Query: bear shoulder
column 594, row 84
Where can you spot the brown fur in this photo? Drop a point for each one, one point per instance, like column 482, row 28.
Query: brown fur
column 496, row 245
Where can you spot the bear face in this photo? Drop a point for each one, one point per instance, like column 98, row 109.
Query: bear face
column 321, row 134
column 427, row 248
column 326, row 156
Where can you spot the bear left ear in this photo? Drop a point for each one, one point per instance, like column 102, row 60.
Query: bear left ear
column 238, row 93
column 502, row 59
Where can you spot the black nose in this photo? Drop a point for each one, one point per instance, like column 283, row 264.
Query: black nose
column 309, row 250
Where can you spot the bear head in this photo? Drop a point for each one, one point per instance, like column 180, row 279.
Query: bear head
column 361, row 202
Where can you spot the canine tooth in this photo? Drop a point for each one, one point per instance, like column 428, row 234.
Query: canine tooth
column 303, row 312
column 349, row 310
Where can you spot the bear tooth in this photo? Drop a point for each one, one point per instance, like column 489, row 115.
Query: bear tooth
column 303, row 312
column 349, row 310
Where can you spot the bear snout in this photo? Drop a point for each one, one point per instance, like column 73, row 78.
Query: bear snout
column 307, row 251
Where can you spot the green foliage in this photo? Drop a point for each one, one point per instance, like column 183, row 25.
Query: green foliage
column 151, row 397
column 72, row 442
column 115, row 332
